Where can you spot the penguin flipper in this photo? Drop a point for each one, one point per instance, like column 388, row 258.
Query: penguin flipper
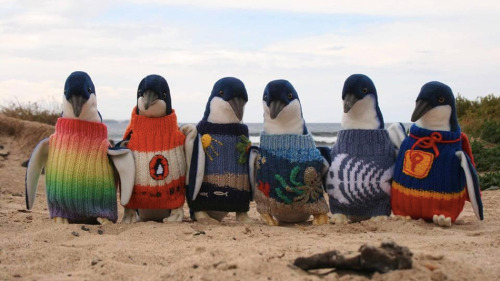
column 252, row 159
column 397, row 134
column 36, row 163
column 472, row 182
column 197, row 168
column 190, row 132
column 124, row 163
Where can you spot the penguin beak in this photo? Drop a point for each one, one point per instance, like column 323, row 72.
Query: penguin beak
column 150, row 98
column 77, row 104
column 421, row 108
column 237, row 104
column 275, row 108
column 349, row 101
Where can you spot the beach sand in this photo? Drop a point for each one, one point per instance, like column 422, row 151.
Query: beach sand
column 32, row 247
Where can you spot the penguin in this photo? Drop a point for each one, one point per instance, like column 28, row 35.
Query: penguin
column 157, row 143
column 288, row 165
column 434, row 173
column 80, row 178
column 359, row 179
column 219, row 168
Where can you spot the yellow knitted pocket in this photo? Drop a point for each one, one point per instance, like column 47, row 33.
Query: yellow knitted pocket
column 417, row 163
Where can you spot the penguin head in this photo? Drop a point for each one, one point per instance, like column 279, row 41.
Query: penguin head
column 359, row 93
column 435, row 107
column 282, row 109
column 277, row 95
column 227, row 100
column 153, row 97
column 80, row 98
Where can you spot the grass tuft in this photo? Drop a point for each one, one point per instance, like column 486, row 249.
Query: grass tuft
column 45, row 112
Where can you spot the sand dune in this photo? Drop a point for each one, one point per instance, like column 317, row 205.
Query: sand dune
column 34, row 248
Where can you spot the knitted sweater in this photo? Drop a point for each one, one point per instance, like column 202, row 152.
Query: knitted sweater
column 226, row 186
column 359, row 179
column 160, row 162
column 79, row 177
column 289, row 177
column 428, row 178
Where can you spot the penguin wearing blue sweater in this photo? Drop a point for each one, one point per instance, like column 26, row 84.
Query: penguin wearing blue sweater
column 359, row 179
column 434, row 173
column 219, row 168
column 288, row 166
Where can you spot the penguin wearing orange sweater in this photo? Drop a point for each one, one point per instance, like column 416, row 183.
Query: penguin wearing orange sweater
column 157, row 143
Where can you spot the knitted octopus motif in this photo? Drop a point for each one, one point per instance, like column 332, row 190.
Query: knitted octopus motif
column 303, row 192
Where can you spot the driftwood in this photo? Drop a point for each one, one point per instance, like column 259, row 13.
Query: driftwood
column 389, row 256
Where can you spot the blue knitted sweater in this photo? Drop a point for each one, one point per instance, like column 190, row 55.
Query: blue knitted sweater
column 226, row 186
column 359, row 179
column 289, row 176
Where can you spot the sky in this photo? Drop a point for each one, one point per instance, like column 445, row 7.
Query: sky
column 315, row 45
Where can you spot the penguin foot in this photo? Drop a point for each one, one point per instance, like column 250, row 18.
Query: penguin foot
column 103, row 221
column 320, row 219
column 339, row 219
column 243, row 217
column 60, row 220
column 379, row 218
column 129, row 216
column 402, row 218
column 204, row 218
column 441, row 220
column 176, row 215
column 269, row 220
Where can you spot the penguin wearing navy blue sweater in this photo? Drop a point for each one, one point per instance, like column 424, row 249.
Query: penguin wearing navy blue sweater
column 219, row 168
column 359, row 179
column 435, row 173
column 288, row 166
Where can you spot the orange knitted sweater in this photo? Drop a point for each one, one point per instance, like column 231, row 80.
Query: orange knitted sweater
column 160, row 162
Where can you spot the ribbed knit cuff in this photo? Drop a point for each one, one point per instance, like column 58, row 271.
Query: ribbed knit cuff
column 284, row 142
column 91, row 130
column 235, row 129
column 364, row 142
column 447, row 135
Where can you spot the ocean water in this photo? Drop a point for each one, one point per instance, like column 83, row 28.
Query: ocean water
column 325, row 134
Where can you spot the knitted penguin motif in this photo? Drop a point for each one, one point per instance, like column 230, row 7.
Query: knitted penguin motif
column 80, row 181
column 218, row 181
column 157, row 143
column 288, row 166
column 360, row 174
column 434, row 172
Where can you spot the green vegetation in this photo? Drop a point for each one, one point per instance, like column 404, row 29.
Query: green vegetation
column 41, row 111
column 480, row 119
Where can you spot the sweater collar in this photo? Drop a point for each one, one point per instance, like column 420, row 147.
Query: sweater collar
column 446, row 135
column 81, row 127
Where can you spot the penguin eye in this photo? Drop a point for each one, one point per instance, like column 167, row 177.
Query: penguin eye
column 139, row 93
column 265, row 98
column 89, row 90
column 290, row 96
column 365, row 90
column 164, row 95
column 441, row 99
column 221, row 93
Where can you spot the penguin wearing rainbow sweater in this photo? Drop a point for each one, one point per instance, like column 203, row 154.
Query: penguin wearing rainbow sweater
column 359, row 179
column 434, row 173
column 219, row 168
column 80, row 179
column 288, row 166
column 158, row 145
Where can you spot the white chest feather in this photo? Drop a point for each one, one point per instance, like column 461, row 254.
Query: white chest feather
column 221, row 112
column 88, row 113
column 363, row 115
column 288, row 121
column 436, row 119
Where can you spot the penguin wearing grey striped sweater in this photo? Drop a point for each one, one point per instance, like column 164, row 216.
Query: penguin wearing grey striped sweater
column 359, row 179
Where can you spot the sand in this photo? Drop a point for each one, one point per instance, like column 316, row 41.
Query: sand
column 32, row 247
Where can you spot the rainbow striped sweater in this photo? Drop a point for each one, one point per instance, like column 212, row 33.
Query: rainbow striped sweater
column 79, row 177
column 160, row 162
column 428, row 179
